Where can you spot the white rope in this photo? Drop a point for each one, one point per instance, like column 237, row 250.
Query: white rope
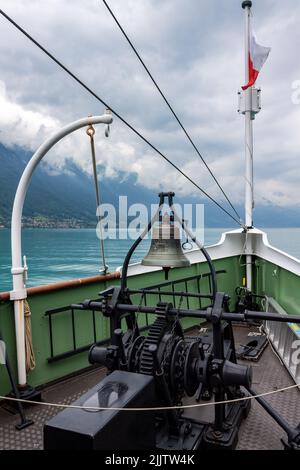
column 159, row 408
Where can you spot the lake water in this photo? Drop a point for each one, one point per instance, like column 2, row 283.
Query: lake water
column 54, row 255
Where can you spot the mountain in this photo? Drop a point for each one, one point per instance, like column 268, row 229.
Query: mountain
column 68, row 199
column 58, row 197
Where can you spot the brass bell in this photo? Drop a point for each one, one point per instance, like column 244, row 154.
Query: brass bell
column 165, row 249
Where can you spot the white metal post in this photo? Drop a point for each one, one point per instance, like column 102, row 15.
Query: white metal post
column 18, row 294
column 248, row 144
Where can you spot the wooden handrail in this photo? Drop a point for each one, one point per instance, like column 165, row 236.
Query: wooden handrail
column 5, row 296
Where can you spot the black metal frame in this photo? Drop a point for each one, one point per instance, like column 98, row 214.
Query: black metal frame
column 162, row 196
column 25, row 422
column 148, row 291
column 50, row 313
column 217, row 315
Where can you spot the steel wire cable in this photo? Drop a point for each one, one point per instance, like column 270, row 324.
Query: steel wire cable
column 169, row 105
column 123, row 120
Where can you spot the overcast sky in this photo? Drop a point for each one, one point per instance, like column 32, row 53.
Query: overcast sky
column 195, row 50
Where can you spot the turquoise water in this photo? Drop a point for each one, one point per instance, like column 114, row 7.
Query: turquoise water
column 54, row 255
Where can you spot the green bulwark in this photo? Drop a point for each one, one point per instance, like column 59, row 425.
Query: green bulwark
column 270, row 280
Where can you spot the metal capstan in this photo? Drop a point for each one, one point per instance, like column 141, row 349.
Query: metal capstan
column 165, row 249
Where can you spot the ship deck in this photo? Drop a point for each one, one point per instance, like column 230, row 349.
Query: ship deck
column 258, row 431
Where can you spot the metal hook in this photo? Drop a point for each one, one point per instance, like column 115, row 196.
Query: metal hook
column 107, row 127
column 107, row 130
column 90, row 131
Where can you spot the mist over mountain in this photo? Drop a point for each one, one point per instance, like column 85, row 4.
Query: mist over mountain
column 67, row 198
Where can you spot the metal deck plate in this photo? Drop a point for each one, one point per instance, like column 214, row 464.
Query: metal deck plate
column 258, row 431
column 31, row 438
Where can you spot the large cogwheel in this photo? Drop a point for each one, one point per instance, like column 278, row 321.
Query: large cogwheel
column 165, row 334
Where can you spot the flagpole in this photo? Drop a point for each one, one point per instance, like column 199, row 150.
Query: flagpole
column 246, row 5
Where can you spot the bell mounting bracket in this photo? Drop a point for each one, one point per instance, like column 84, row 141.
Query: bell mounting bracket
column 162, row 196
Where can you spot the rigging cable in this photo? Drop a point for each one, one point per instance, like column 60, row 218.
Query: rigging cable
column 91, row 132
column 89, row 90
column 169, row 105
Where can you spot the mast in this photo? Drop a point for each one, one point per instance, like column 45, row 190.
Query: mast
column 246, row 5
column 250, row 105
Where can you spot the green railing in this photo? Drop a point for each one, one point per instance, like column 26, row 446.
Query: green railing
column 167, row 291
column 54, row 298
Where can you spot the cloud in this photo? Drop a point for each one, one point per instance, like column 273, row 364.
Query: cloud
column 195, row 51
column 20, row 126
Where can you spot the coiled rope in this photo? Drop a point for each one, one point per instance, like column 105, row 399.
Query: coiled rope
column 156, row 408
column 30, row 357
